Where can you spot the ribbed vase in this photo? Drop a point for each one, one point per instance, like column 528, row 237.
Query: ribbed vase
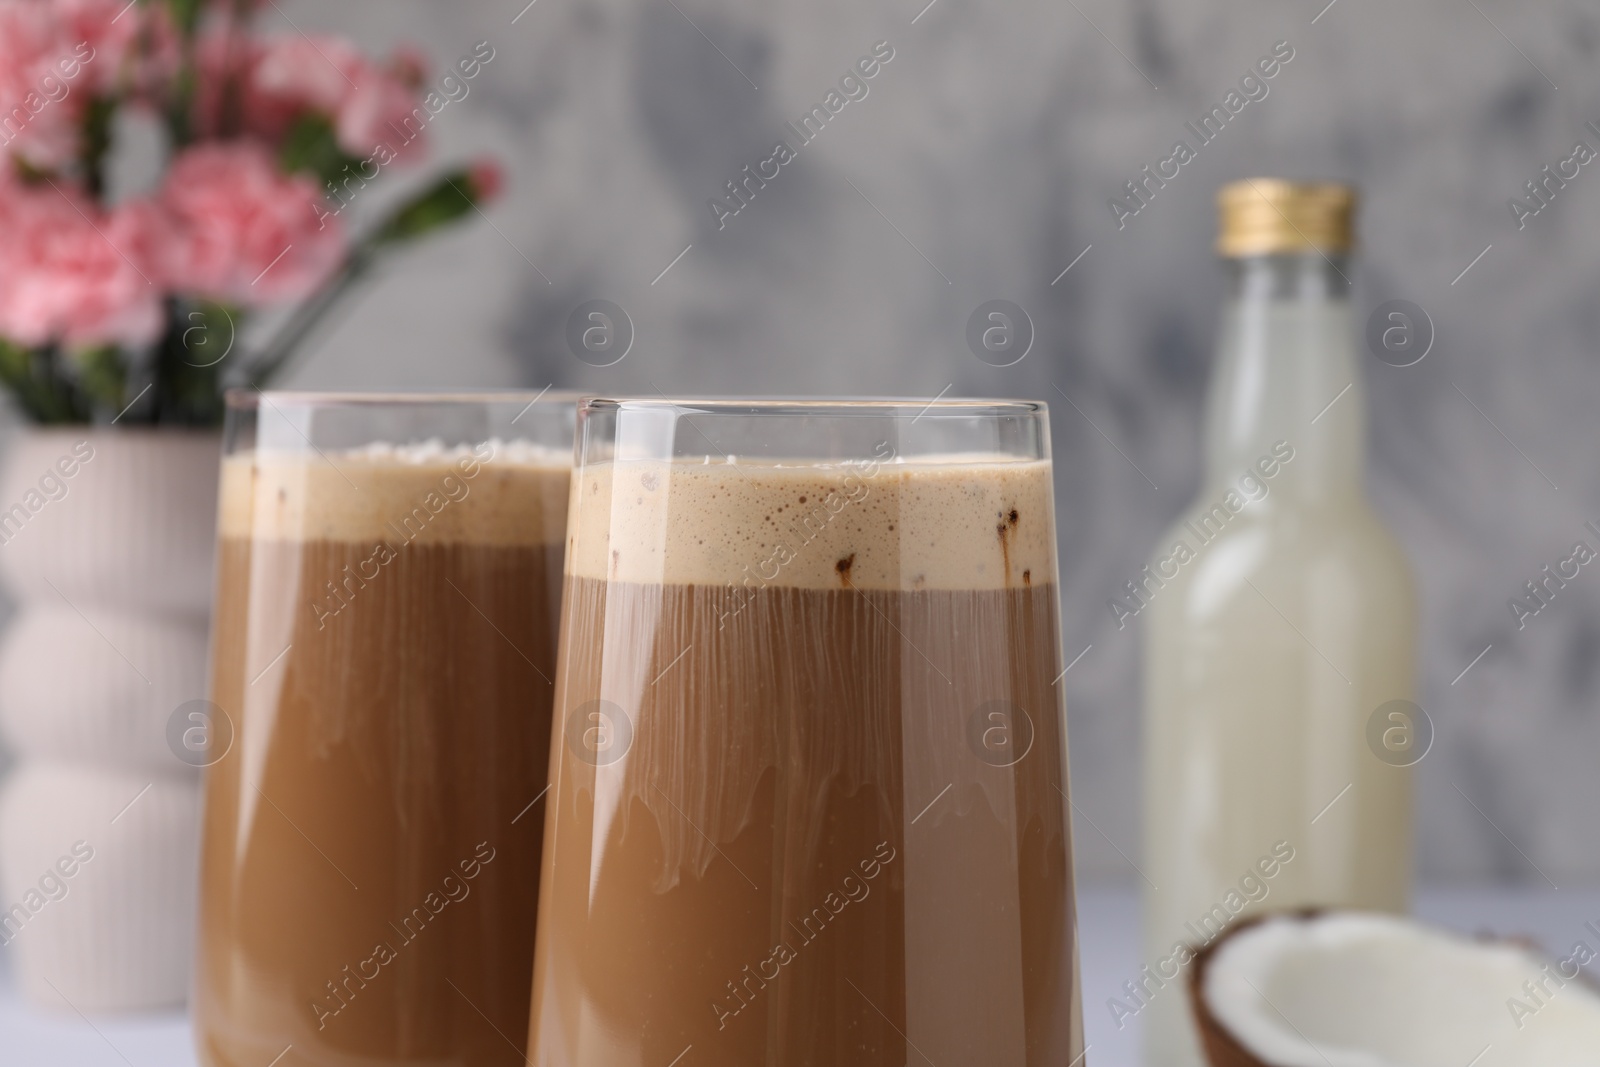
column 106, row 546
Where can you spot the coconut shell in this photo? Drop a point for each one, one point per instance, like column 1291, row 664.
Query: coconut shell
column 1222, row 1049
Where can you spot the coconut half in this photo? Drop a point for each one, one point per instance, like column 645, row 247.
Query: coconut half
column 1356, row 989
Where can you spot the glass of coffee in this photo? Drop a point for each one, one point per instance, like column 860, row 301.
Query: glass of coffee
column 808, row 775
column 379, row 726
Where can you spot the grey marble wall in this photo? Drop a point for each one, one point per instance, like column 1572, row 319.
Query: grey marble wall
column 979, row 165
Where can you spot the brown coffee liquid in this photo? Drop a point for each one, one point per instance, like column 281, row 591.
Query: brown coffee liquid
column 807, row 827
column 371, row 857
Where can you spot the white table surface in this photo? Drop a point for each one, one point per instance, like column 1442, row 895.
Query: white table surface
column 1107, row 919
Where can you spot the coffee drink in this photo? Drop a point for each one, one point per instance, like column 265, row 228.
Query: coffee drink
column 383, row 648
column 808, row 781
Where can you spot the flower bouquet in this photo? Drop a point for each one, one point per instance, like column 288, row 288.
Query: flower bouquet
column 124, row 301
column 127, row 304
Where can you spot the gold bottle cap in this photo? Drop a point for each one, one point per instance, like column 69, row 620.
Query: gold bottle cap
column 1263, row 216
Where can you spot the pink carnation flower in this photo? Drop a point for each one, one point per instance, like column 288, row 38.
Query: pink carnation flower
column 380, row 111
column 367, row 102
column 294, row 75
column 57, row 54
column 263, row 86
column 40, row 104
column 72, row 273
column 244, row 232
column 113, row 34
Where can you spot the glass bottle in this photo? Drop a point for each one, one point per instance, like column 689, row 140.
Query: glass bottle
column 1280, row 625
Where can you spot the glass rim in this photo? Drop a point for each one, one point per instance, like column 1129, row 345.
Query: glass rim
column 821, row 406
column 245, row 399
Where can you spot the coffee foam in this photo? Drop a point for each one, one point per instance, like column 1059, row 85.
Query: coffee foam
column 958, row 523
column 494, row 493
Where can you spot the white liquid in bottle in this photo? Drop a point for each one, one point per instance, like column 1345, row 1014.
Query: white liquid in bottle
column 1279, row 617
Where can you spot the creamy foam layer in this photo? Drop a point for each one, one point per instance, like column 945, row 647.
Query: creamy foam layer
column 978, row 522
column 495, row 493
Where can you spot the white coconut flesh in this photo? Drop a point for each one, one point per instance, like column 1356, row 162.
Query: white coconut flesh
column 1353, row 989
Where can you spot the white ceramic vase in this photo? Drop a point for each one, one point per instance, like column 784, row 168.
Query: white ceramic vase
column 106, row 546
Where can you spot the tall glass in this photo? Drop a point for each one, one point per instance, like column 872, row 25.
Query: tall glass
column 379, row 727
column 808, row 773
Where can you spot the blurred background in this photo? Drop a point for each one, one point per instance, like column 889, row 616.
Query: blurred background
column 981, row 164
